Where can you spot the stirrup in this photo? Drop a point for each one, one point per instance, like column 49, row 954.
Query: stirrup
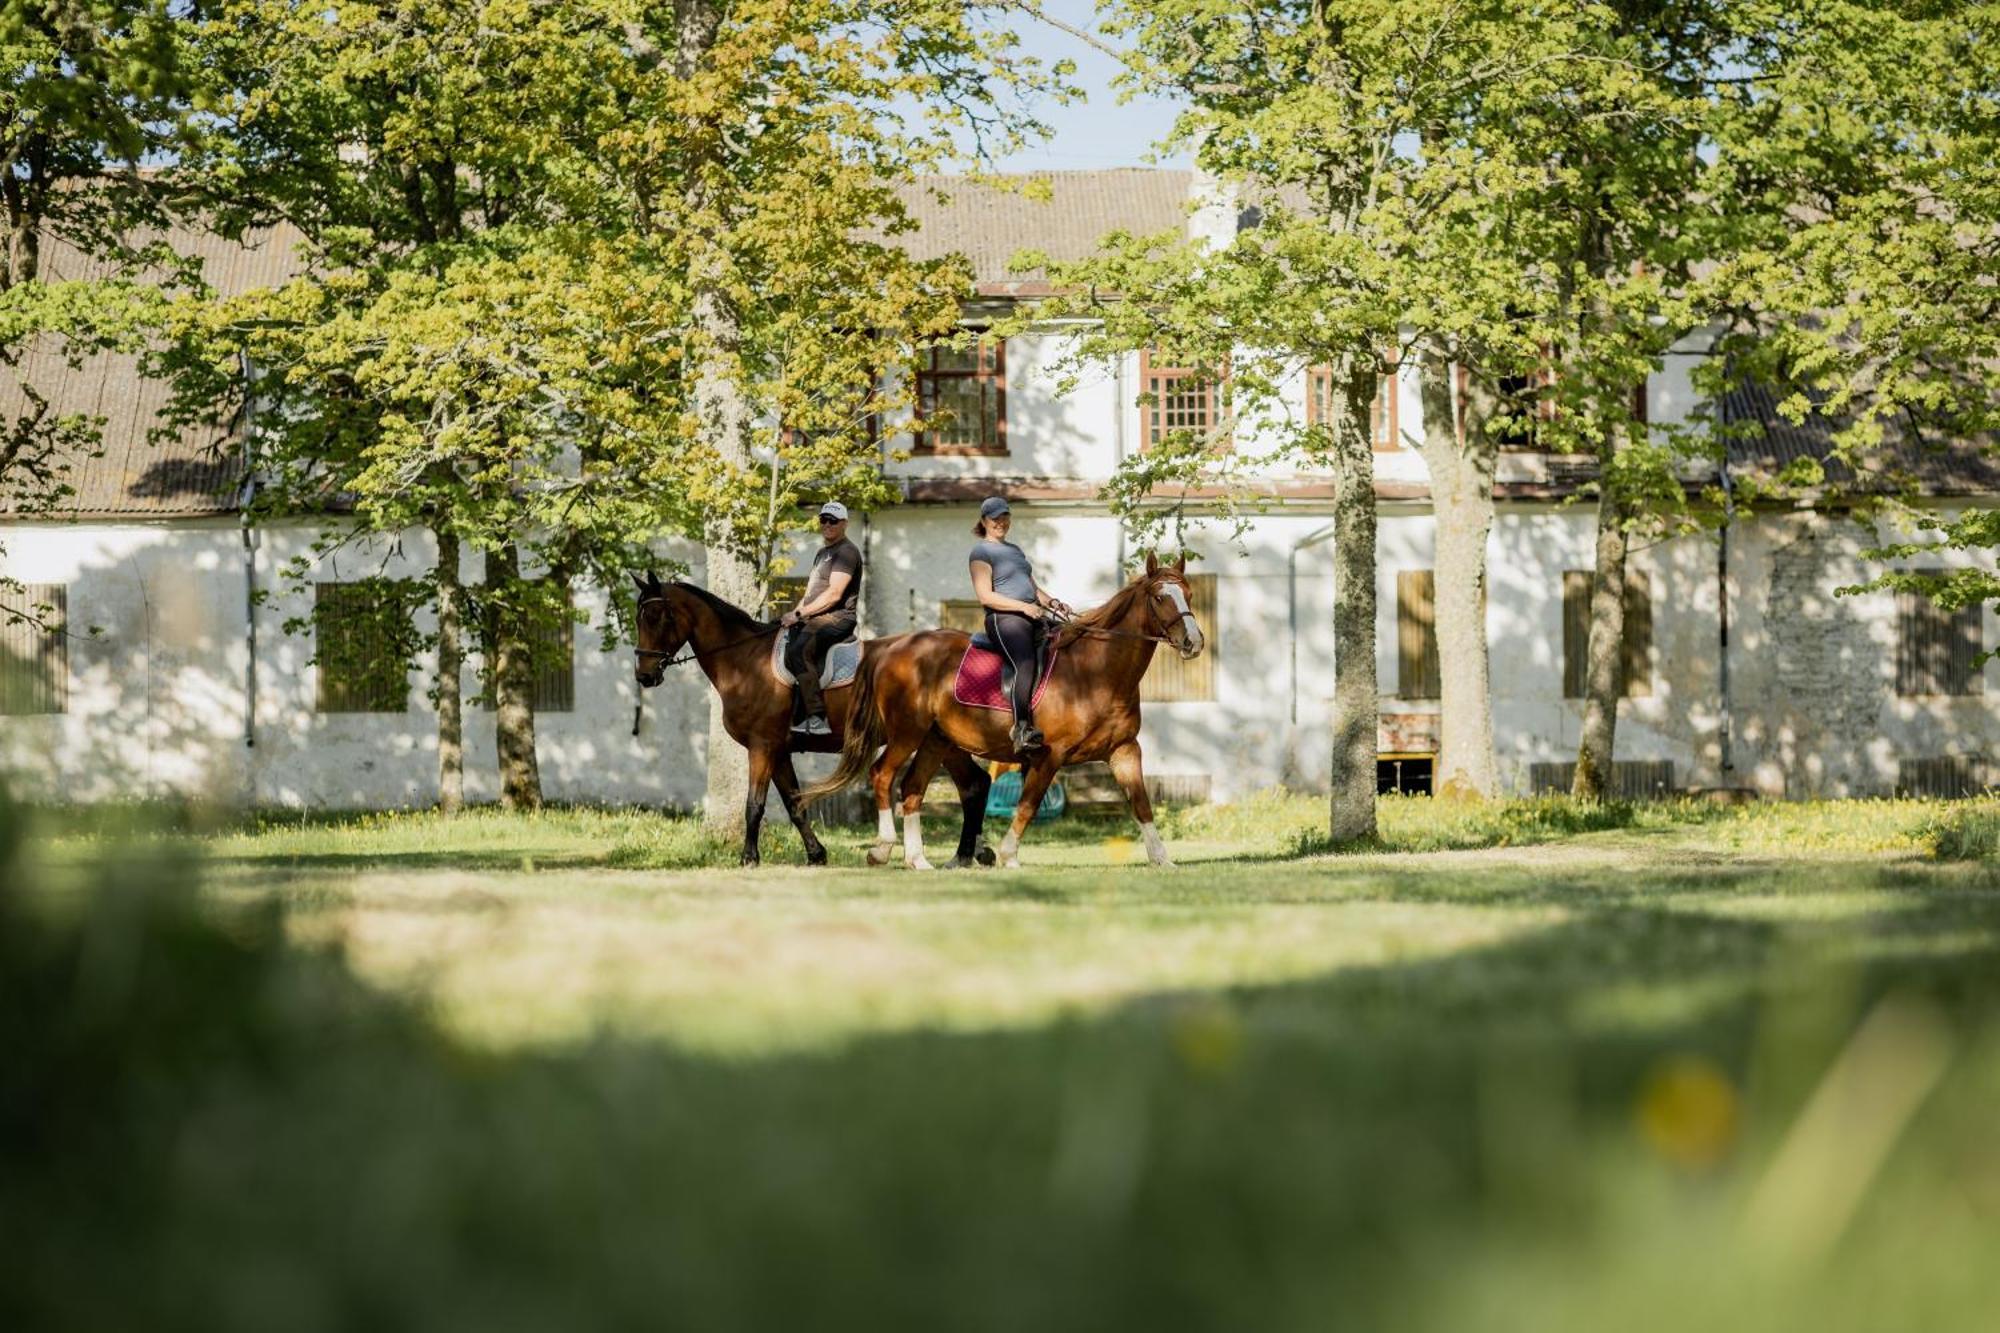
column 1027, row 736
column 815, row 725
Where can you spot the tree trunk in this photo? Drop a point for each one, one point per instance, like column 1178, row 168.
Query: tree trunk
column 1462, row 508
column 450, row 687
column 1356, row 709
column 722, row 411
column 513, row 684
column 1602, row 682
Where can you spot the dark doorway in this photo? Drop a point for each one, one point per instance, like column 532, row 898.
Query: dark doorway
column 1403, row 774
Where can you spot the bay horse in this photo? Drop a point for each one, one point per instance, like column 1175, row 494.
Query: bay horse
column 734, row 651
column 904, row 693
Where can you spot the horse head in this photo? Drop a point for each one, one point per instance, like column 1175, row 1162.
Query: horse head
column 1167, row 603
column 660, row 631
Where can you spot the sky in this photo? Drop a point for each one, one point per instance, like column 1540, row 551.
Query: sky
column 1097, row 132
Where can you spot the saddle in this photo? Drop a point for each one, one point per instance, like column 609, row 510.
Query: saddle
column 986, row 680
column 841, row 661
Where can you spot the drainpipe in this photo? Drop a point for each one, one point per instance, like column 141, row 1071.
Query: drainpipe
column 244, row 499
column 1722, row 613
column 1118, row 450
column 1313, row 538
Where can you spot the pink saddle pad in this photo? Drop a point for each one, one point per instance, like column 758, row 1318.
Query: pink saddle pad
column 978, row 682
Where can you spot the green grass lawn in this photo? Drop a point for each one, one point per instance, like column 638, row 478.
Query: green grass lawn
column 1528, row 1066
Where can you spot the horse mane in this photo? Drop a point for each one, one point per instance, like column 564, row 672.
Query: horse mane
column 730, row 614
column 1105, row 614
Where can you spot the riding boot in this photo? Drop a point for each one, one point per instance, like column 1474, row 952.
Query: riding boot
column 1028, row 736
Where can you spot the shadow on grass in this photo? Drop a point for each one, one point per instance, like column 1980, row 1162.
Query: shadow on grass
column 247, row 1136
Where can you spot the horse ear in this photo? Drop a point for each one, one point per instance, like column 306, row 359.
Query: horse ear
column 641, row 585
column 1180, row 563
column 1152, row 564
column 653, row 582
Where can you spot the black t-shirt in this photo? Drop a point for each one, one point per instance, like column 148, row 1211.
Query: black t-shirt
column 845, row 557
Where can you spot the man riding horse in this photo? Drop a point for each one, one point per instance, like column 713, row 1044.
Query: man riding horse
column 826, row 615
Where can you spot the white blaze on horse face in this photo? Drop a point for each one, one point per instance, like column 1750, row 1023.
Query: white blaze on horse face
column 1187, row 620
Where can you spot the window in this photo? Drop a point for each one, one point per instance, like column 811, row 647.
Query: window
column 784, row 594
column 1936, row 649
column 1941, row 777
column 1418, row 676
column 1631, row 779
column 1171, row 680
column 1524, row 405
column 34, row 649
column 1404, row 774
column 552, row 640
column 1176, row 398
column 962, row 399
column 1383, row 416
column 962, row 613
column 1636, row 662
column 361, row 638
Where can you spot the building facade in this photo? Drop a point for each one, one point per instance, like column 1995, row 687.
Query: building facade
column 1747, row 667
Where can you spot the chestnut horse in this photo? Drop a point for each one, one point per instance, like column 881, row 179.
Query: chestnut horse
column 734, row 650
column 903, row 694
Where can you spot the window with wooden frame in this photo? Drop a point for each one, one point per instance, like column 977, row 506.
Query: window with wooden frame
column 361, row 648
column 1635, row 661
column 1936, row 649
column 1384, row 423
column 1169, row 679
column 962, row 613
column 34, row 649
column 1525, row 405
column 961, row 403
column 784, row 594
column 552, row 640
column 1417, row 673
column 1179, row 398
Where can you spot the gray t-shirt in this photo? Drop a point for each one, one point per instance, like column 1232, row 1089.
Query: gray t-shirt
column 842, row 557
column 1013, row 576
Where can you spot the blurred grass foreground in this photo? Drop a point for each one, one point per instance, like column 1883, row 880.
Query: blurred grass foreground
column 1532, row 1067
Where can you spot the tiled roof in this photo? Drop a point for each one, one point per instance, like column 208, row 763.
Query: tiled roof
column 187, row 471
column 1772, row 442
column 989, row 223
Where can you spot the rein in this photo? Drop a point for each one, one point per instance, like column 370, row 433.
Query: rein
column 698, row 653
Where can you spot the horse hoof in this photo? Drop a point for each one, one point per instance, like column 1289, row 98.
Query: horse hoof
column 816, row 856
column 879, row 854
column 1011, row 863
column 920, row 864
column 985, row 856
column 751, row 862
column 959, row 863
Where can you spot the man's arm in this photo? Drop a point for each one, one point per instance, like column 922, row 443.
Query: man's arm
column 829, row 597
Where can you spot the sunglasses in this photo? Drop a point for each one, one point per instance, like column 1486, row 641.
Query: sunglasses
column 825, row 519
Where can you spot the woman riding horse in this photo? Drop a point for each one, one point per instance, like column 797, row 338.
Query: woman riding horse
column 1003, row 578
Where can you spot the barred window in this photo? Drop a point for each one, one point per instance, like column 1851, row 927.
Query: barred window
column 1418, row 674
column 1936, row 649
column 1635, row 662
column 1171, row 680
column 360, row 648
column 784, row 594
column 962, row 613
column 962, row 399
column 552, row 643
column 34, row 649
column 1383, row 422
column 1177, row 398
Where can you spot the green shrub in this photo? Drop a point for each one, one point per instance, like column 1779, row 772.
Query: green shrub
column 1969, row 832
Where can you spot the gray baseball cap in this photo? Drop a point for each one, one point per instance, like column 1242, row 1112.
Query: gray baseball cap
column 833, row 509
column 993, row 506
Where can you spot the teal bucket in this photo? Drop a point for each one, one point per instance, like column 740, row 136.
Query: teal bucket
column 1006, row 794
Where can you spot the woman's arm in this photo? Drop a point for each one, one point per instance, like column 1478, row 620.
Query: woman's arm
column 982, row 587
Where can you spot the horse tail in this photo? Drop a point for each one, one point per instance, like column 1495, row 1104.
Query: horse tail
column 864, row 735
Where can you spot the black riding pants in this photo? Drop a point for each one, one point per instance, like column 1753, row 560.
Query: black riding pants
column 1020, row 641
column 805, row 653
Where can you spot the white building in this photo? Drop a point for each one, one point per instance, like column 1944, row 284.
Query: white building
column 1751, row 670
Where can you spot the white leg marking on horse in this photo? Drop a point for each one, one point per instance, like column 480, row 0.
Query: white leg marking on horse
column 1156, row 847
column 885, row 825
column 913, row 841
column 1010, row 851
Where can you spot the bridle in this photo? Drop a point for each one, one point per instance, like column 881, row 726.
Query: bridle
column 696, row 653
column 1187, row 613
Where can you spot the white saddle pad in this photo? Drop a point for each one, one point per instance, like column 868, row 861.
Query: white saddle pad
column 841, row 661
